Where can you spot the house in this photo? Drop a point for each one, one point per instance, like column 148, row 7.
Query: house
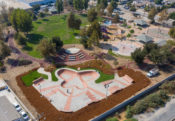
column 161, row 42
column 144, row 38
column 8, row 111
column 168, row 23
column 140, row 22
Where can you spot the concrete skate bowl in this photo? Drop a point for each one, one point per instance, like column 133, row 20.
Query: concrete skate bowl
column 78, row 79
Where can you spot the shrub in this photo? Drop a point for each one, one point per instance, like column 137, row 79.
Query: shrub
column 112, row 119
column 131, row 31
column 131, row 119
column 169, row 87
column 129, row 27
column 129, row 35
column 129, row 113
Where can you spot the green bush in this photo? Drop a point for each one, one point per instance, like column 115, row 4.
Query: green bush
column 112, row 119
column 138, row 56
column 132, row 31
column 129, row 35
column 169, row 87
column 131, row 119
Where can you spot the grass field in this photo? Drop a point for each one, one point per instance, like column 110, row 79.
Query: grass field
column 48, row 27
column 31, row 76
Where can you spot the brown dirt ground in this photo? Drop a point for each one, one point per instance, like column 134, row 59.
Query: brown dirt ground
column 43, row 106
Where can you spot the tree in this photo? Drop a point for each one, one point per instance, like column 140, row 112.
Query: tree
column 92, row 15
column 133, row 8
column 78, row 4
column 157, row 57
column 102, row 3
column 36, row 8
column 72, row 22
column 85, row 3
column 4, row 50
column 163, row 15
column 21, row 20
column 94, row 26
column 152, row 14
column 138, row 56
column 116, row 18
column 94, row 38
column 148, row 47
column 5, row 13
column 110, row 9
column 172, row 32
column 59, row 6
column 47, row 48
column 1, row 32
column 114, row 4
column 158, row 1
column 58, row 43
column 172, row 15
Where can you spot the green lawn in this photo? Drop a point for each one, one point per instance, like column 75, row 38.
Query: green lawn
column 33, row 75
column 51, row 26
column 118, row 55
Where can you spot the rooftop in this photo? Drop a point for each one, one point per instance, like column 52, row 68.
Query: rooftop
column 7, row 111
column 144, row 38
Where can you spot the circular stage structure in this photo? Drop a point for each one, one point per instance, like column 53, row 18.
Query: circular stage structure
column 72, row 50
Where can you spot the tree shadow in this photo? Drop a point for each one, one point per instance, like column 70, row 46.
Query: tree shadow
column 75, row 34
column 44, row 19
column 167, row 68
column 34, row 38
column 64, row 17
column 83, row 15
column 38, row 22
column 146, row 66
column 27, row 48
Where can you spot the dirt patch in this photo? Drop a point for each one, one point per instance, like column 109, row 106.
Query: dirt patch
column 43, row 106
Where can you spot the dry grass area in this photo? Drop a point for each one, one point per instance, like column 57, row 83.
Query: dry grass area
column 42, row 105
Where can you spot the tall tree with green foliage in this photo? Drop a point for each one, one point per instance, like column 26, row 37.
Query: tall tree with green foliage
column 92, row 15
column 47, row 48
column 110, row 9
column 158, row 1
column 172, row 15
column 172, row 32
column 21, row 20
column 102, row 3
column 114, row 4
column 94, row 26
column 4, row 50
column 152, row 14
column 58, row 43
column 116, row 18
column 138, row 56
column 72, row 22
column 85, row 4
column 78, row 4
column 59, row 6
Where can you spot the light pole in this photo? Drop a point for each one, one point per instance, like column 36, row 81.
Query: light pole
column 106, row 86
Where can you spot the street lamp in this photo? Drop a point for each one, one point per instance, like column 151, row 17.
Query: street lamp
column 106, row 86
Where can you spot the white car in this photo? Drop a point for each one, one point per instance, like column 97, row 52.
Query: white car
column 17, row 107
column 153, row 72
column 24, row 115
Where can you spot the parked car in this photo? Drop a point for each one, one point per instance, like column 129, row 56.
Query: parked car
column 24, row 115
column 17, row 107
column 153, row 72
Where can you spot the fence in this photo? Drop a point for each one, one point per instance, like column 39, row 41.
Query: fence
column 132, row 99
